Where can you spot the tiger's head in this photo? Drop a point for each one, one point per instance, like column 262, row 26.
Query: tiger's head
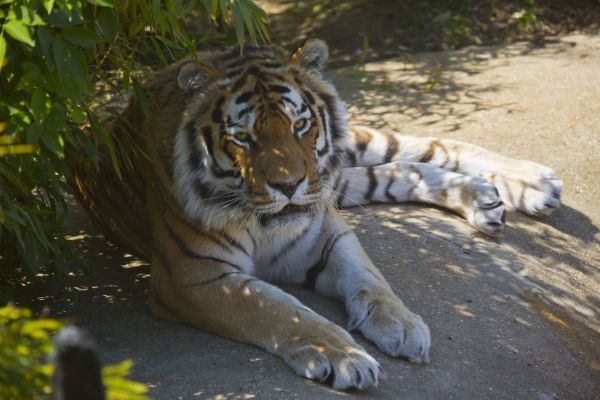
column 261, row 136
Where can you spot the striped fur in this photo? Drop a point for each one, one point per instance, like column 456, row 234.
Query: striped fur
column 248, row 153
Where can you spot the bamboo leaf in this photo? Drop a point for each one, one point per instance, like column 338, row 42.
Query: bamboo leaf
column 46, row 39
column 61, row 57
column 247, row 21
column 102, row 3
column 2, row 52
column 40, row 104
column 239, row 23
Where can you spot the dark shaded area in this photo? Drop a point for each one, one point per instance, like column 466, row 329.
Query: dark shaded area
column 393, row 27
column 483, row 341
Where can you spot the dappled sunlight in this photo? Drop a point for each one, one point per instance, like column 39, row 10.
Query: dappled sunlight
column 531, row 259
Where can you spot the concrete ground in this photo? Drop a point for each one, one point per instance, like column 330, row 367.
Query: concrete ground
column 515, row 318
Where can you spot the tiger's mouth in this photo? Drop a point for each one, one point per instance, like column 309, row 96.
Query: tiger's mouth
column 290, row 210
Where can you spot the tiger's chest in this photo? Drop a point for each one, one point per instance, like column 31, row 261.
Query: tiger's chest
column 285, row 254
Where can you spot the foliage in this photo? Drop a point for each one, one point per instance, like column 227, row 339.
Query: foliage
column 25, row 347
column 52, row 55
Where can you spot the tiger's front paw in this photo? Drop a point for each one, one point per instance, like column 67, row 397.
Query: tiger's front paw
column 391, row 326
column 334, row 358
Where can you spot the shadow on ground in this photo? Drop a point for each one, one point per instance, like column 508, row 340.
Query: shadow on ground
column 481, row 297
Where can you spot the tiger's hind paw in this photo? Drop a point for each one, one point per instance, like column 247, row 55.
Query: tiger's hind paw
column 532, row 189
column 542, row 200
column 488, row 212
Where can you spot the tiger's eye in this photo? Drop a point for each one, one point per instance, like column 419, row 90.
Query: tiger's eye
column 241, row 135
column 300, row 123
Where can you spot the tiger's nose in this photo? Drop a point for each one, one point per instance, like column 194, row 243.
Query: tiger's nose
column 288, row 188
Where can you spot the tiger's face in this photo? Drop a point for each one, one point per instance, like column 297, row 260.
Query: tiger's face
column 259, row 137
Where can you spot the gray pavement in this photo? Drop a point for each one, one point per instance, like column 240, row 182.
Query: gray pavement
column 515, row 318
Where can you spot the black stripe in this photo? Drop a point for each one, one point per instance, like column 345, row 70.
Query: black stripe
column 309, row 96
column 289, row 246
column 279, row 89
column 229, row 155
column 312, row 274
column 392, row 148
column 234, row 242
column 217, row 114
column 334, row 162
column 372, row 183
column 251, row 238
column 222, row 276
column 202, row 189
column 239, row 83
column 326, row 127
column 190, row 253
column 270, row 64
column 292, row 102
column 350, row 158
column 244, row 97
column 195, row 156
column 342, row 193
column 244, row 112
column 388, row 195
column 330, row 101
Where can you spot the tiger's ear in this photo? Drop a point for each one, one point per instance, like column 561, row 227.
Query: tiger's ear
column 312, row 54
column 193, row 77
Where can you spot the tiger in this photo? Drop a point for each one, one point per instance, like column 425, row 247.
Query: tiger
column 248, row 157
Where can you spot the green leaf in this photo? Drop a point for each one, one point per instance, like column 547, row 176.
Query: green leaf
column 239, row 23
column 2, row 51
column 108, row 24
column 79, row 36
column 28, row 67
column 40, row 104
column 61, row 20
column 46, row 39
column 89, row 147
column 260, row 13
column 51, row 325
column 77, row 65
column 61, row 57
column 101, row 3
column 34, row 132
column 156, row 8
column 247, row 21
column 55, row 142
column 125, row 82
column 158, row 50
column 48, row 5
column 179, row 8
column 29, row 81
column 19, row 32
column 207, row 7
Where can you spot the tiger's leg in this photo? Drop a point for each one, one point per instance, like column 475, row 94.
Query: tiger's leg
column 523, row 185
column 342, row 269
column 472, row 197
column 212, row 288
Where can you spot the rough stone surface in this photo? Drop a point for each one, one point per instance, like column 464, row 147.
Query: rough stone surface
column 514, row 318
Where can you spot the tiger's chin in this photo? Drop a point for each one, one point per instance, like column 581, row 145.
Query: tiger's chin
column 290, row 214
